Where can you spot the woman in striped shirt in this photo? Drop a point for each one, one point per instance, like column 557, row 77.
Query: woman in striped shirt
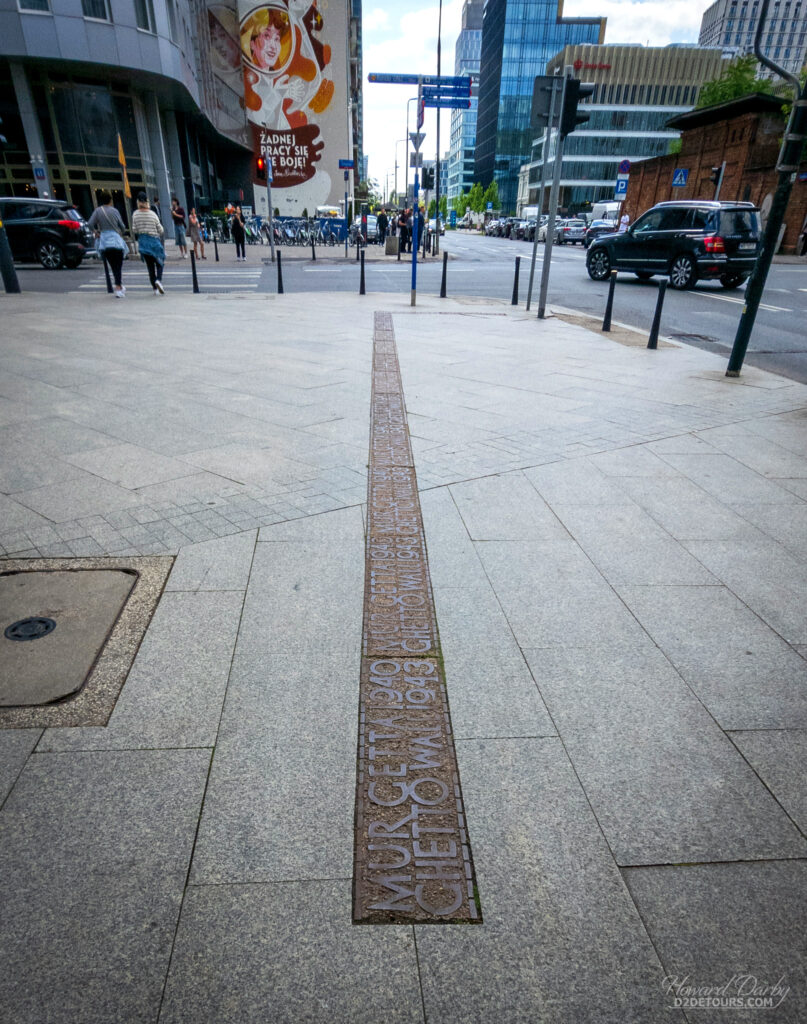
column 148, row 231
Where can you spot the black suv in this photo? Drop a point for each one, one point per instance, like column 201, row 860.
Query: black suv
column 48, row 230
column 689, row 240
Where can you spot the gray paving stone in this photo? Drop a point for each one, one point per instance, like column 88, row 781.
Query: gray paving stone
column 195, row 486
column 561, row 939
column 628, row 546
column 491, row 691
column 714, row 923
column 23, row 469
column 780, row 759
column 175, row 690
column 287, row 953
column 729, row 481
column 453, row 560
column 505, row 507
column 575, row 482
column 221, row 564
column 786, row 524
column 15, row 747
column 93, row 862
column 290, row 712
column 636, row 461
column 17, row 517
column 82, row 495
column 666, row 784
column 744, row 673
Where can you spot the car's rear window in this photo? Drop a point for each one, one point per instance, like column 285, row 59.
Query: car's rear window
column 739, row 222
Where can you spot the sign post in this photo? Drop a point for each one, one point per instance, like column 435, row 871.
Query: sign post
column 347, row 166
column 417, row 140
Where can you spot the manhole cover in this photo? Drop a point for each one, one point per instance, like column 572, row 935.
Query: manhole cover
column 30, row 629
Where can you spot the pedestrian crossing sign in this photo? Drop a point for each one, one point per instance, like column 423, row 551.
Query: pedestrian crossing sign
column 680, row 175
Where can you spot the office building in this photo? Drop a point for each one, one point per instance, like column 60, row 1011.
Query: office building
column 356, row 102
column 637, row 89
column 732, row 25
column 518, row 38
column 467, row 51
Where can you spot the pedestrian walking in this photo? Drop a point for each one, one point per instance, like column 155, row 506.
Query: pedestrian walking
column 155, row 205
column 624, row 220
column 149, row 232
column 403, row 231
column 195, row 231
column 178, row 217
column 239, row 234
column 382, row 221
column 108, row 227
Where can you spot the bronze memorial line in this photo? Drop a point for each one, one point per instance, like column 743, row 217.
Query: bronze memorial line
column 412, row 858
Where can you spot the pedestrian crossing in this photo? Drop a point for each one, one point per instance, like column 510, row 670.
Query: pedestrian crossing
column 179, row 279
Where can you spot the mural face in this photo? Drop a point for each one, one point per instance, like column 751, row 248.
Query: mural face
column 295, row 95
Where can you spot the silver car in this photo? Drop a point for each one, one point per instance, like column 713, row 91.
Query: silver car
column 572, row 231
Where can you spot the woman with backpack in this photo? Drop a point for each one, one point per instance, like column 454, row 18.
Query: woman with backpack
column 108, row 226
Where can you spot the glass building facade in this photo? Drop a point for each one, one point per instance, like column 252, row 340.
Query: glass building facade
column 518, row 39
column 732, row 24
column 463, row 122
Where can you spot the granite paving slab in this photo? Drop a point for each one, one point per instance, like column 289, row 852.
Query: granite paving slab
column 505, row 507
column 786, row 524
column 743, row 671
column 287, row 953
column 129, row 465
column 82, row 495
column 561, row 940
column 93, row 859
column 666, row 784
column 738, row 928
column 16, row 745
column 221, row 564
column 779, row 757
column 730, row 481
column 575, row 482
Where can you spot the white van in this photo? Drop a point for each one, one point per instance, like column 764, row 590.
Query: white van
column 606, row 210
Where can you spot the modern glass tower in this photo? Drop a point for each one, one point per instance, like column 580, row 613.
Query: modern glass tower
column 463, row 122
column 732, row 24
column 518, row 38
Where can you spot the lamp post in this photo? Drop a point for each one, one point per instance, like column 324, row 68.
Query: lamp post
column 437, row 158
column 412, row 99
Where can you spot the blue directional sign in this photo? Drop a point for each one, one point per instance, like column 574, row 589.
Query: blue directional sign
column 448, row 103
column 621, row 188
column 447, row 90
column 680, row 175
column 346, row 165
column 435, row 80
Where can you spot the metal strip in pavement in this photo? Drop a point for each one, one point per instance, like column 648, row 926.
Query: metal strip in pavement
column 412, row 857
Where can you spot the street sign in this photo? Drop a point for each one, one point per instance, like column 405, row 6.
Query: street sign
column 39, row 173
column 490, row 206
column 621, row 188
column 449, row 104
column 542, row 100
column 441, row 80
column 415, row 159
column 345, row 165
column 452, row 218
column 416, row 138
column 680, row 175
column 624, row 167
column 447, row 90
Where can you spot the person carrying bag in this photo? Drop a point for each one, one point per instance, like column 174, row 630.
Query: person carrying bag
column 149, row 232
column 108, row 227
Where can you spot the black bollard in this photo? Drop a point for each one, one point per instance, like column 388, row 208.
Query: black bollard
column 652, row 341
column 361, row 278
column 313, row 250
column 357, row 247
column 193, row 274
column 514, row 300
column 279, row 273
column 216, row 248
column 609, row 305
column 443, row 282
column 106, row 274
column 10, row 281
column 399, row 248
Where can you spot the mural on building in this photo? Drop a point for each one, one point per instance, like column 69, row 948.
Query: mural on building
column 225, row 62
column 293, row 55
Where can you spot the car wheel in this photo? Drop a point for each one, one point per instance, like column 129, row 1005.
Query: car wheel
column 682, row 272
column 598, row 264
column 643, row 275
column 50, row 255
column 732, row 280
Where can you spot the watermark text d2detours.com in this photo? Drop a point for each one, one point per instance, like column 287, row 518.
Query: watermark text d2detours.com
column 739, row 992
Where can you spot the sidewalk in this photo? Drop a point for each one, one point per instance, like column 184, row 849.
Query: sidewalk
column 616, row 540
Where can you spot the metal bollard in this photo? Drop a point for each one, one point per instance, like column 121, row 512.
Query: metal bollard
column 216, row 248
column 313, row 250
column 279, row 272
column 514, row 300
column 399, row 248
column 609, row 305
column 193, row 274
column 10, row 280
column 443, row 282
column 106, row 274
column 357, row 246
column 361, row 277
column 652, row 341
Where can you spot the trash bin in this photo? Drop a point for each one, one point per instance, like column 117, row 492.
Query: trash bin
column 391, row 248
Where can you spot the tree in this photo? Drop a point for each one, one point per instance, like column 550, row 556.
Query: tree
column 461, row 204
column 432, row 207
column 444, row 207
column 491, row 196
column 476, row 198
column 674, row 146
column 738, row 79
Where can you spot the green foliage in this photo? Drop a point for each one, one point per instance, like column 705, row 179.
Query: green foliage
column 491, row 196
column 432, row 207
column 739, row 78
column 476, row 198
column 444, row 207
column 674, row 146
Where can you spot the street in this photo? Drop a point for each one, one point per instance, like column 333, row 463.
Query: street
column 706, row 317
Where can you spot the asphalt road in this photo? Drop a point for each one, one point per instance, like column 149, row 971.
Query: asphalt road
column 706, row 317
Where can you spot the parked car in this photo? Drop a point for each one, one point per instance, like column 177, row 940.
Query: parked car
column 49, row 230
column 372, row 229
column 597, row 228
column 572, row 231
column 687, row 239
column 559, row 222
column 433, row 225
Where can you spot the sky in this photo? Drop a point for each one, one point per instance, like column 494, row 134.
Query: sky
column 400, row 36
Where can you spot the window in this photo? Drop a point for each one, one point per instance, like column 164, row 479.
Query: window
column 43, row 6
column 650, row 222
column 144, row 15
column 96, row 9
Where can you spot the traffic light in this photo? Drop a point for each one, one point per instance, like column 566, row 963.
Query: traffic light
column 570, row 117
column 428, row 178
column 260, row 168
column 714, row 177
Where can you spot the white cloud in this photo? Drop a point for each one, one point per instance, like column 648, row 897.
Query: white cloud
column 373, row 21
column 652, row 22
